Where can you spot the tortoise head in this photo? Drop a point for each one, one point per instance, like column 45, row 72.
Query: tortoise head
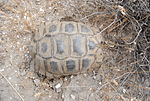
column 68, row 18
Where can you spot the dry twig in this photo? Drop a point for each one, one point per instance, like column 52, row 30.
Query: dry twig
column 12, row 86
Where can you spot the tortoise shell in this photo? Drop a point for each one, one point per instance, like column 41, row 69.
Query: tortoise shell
column 64, row 48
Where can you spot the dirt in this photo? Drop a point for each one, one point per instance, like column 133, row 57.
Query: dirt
column 18, row 82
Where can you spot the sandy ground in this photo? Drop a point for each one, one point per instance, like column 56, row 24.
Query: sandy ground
column 18, row 82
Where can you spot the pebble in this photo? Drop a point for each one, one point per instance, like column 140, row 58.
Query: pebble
column 58, row 86
column 42, row 10
column 4, row 33
column 65, row 79
column 134, row 99
column 1, row 70
column 23, row 73
column 37, row 82
column 71, row 76
column 10, row 98
column 72, row 96
column 115, row 82
column 100, row 83
column 63, row 96
column 124, row 90
column 94, row 77
column 85, row 74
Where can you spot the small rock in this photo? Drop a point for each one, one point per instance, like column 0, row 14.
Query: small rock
column 85, row 74
column 124, row 90
column 90, row 89
column 71, row 76
column 100, row 83
column 58, row 86
column 37, row 94
column 115, row 82
column 37, row 82
column 134, row 99
column 65, row 79
column 123, row 98
column 1, row 70
column 23, row 73
column 10, row 98
column 94, row 77
column 42, row 10
column 58, row 90
column 63, row 96
column 72, row 96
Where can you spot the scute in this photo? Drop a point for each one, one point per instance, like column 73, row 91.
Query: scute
column 78, row 45
column 61, row 46
column 70, row 64
column 52, row 28
column 91, row 45
column 84, row 29
column 44, row 47
column 69, row 28
column 85, row 63
column 54, row 66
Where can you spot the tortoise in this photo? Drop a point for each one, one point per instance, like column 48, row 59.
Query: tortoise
column 64, row 48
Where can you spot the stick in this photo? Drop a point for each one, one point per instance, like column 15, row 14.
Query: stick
column 12, row 86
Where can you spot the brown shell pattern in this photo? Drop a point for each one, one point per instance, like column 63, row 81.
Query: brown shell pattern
column 64, row 48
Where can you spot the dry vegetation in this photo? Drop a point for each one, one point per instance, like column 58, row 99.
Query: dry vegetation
column 124, row 74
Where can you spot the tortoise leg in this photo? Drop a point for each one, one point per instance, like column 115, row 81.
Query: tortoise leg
column 39, row 65
column 40, row 32
column 32, row 50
